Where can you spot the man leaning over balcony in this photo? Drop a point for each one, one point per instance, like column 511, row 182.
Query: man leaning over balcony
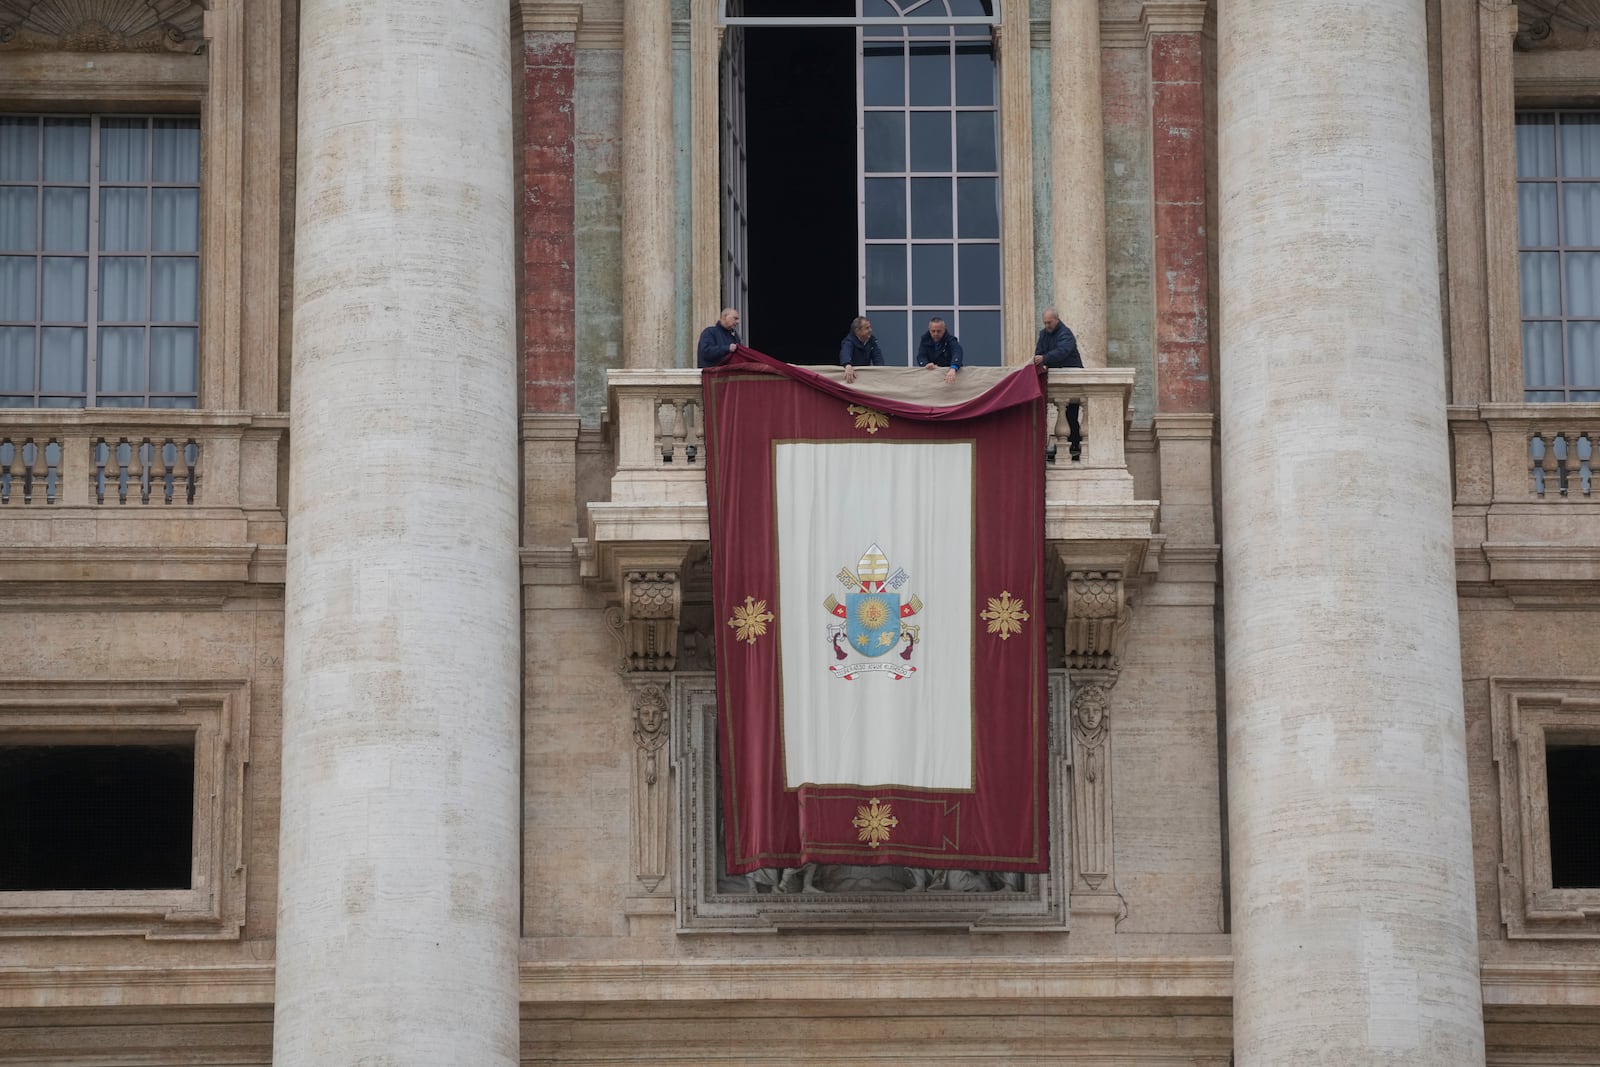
column 859, row 348
column 1057, row 348
column 718, row 340
column 939, row 348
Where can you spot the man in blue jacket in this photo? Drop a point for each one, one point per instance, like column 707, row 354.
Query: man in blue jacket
column 718, row 340
column 859, row 348
column 939, row 348
column 1057, row 348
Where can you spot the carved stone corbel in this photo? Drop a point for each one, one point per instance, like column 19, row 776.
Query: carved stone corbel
column 1097, row 617
column 651, row 715
column 652, row 602
column 1097, row 614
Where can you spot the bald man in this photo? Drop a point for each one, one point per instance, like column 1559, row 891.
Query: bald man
column 718, row 340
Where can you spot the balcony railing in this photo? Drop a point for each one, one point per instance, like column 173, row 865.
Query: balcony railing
column 655, row 422
column 128, row 494
column 1526, row 514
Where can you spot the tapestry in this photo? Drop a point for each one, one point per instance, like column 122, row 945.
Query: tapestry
column 878, row 593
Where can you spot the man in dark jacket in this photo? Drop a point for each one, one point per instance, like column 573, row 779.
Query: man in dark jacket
column 1057, row 348
column 859, row 348
column 718, row 340
column 939, row 348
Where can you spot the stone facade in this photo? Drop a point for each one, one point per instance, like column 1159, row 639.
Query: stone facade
column 1234, row 750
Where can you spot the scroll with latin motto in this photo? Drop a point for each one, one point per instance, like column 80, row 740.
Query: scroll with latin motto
column 878, row 590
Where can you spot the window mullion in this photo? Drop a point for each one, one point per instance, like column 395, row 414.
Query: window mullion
column 92, row 312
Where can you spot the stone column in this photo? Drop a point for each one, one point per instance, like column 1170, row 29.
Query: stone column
column 1077, row 175
column 1354, row 936
column 398, row 871
column 647, row 179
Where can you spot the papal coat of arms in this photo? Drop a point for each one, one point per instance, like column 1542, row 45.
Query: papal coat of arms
column 871, row 621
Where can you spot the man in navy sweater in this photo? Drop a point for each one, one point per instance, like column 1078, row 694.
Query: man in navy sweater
column 1057, row 348
column 939, row 348
column 718, row 340
column 859, row 348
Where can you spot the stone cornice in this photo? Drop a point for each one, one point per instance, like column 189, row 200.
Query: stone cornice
column 535, row 16
column 130, row 986
column 1538, row 984
column 1532, row 984
column 766, row 979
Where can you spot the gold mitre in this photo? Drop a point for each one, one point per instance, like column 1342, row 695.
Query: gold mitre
column 874, row 565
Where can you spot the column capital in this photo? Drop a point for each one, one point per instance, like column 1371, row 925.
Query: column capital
column 537, row 16
column 1173, row 16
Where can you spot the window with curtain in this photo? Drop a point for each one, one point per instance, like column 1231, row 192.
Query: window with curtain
column 1558, row 226
column 99, row 261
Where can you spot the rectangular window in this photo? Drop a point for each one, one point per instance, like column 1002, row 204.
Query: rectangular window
column 1572, row 782
column 1558, row 243
column 96, row 816
column 99, row 261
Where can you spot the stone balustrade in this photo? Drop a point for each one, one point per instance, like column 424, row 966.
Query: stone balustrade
column 657, row 507
column 123, row 494
column 1526, row 517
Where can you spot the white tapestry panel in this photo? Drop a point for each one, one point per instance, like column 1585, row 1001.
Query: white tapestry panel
column 875, row 612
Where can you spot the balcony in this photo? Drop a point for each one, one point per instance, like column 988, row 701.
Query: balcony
column 140, row 495
column 656, row 515
column 1527, row 518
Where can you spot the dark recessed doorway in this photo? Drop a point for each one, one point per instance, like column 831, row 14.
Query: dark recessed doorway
column 801, row 138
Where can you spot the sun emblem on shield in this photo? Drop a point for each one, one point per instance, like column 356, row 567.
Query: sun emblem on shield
column 873, row 618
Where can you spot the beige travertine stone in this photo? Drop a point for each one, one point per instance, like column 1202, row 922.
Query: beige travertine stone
column 397, row 906
column 647, row 176
column 1354, row 937
column 1077, row 174
column 1016, row 188
column 705, row 131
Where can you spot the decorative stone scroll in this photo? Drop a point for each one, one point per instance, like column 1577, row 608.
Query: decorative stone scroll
column 1097, row 614
column 644, row 620
column 102, row 25
column 651, row 721
column 1091, row 809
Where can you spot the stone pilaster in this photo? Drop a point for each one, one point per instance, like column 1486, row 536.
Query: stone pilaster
column 1077, row 175
column 1016, row 185
column 647, row 183
column 1178, row 189
column 397, row 918
column 1351, row 858
column 546, row 47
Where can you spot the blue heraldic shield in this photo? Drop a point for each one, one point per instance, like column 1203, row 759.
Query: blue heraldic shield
column 873, row 622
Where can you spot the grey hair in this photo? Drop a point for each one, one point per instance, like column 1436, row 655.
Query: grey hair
column 855, row 323
column 1051, row 311
column 939, row 319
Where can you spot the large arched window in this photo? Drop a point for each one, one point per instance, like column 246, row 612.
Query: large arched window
column 861, row 173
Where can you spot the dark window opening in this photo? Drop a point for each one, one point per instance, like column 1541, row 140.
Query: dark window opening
column 801, row 137
column 1572, row 775
column 83, row 817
